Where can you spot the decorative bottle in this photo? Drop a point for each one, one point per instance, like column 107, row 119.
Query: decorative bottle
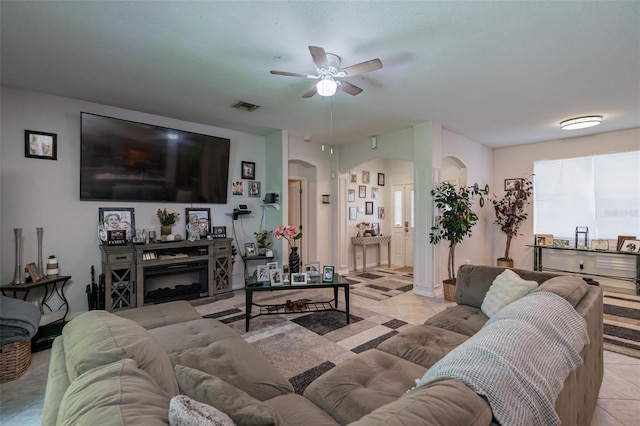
column 18, row 276
column 40, row 232
column 294, row 260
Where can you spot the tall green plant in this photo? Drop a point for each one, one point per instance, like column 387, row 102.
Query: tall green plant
column 511, row 210
column 455, row 219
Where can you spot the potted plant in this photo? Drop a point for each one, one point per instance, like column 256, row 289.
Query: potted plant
column 511, row 213
column 454, row 222
column 166, row 220
column 291, row 233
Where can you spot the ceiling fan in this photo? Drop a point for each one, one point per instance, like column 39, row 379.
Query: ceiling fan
column 328, row 72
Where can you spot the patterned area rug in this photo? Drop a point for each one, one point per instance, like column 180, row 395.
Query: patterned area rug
column 622, row 323
column 380, row 283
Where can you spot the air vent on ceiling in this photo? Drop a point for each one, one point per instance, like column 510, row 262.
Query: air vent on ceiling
column 246, row 106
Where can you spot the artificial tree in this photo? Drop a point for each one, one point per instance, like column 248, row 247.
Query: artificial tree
column 456, row 218
column 511, row 212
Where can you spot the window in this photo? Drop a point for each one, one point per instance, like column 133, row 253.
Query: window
column 601, row 192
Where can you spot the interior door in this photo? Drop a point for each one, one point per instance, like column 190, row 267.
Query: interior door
column 403, row 225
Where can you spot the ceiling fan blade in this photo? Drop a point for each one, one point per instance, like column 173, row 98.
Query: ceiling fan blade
column 309, row 93
column 319, row 57
column 361, row 68
column 289, row 74
column 351, row 89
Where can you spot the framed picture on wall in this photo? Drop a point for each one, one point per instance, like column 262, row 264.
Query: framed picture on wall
column 254, row 188
column 351, row 195
column 365, row 176
column 237, row 187
column 40, row 145
column 380, row 212
column 111, row 219
column 248, row 170
column 353, row 177
column 353, row 213
column 362, row 191
column 513, row 184
column 368, row 208
column 380, row 179
column 375, row 194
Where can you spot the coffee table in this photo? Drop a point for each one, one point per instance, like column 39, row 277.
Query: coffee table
column 253, row 286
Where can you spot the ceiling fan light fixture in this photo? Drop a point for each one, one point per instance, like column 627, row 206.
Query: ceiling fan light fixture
column 581, row 122
column 327, row 86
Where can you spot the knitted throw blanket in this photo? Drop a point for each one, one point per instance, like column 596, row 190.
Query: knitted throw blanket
column 520, row 358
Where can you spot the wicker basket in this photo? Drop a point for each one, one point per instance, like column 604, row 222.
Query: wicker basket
column 449, row 290
column 15, row 359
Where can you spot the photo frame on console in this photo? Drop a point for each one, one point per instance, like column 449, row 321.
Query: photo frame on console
column 198, row 219
column 299, row 278
column 630, row 246
column 112, row 219
column 219, row 232
column 327, row 274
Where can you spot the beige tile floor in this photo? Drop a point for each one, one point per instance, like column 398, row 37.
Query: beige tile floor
column 619, row 402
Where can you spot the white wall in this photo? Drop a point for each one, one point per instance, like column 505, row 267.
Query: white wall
column 517, row 161
column 44, row 193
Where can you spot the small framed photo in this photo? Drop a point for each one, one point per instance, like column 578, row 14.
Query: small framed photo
column 544, row 240
column 375, row 229
column 365, row 176
column 250, row 249
column 362, row 191
column 561, row 243
column 237, row 188
column 374, row 193
column 380, row 179
column 219, row 231
column 34, row 272
column 600, row 244
column 314, row 269
column 272, row 265
column 275, row 276
column 621, row 238
column 513, row 184
column 353, row 213
column 327, row 274
column 368, row 207
column 254, row 188
column 198, row 221
column 307, row 268
column 111, row 219
column 630, row 246
column 262, row 273
column 353, row 177
column 351, row 195
column 248, row 170
column 380, row 212
column 40, row 145
column 299, row 278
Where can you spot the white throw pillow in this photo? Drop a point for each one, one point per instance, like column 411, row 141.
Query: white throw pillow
column 184, row 411
column 506, row 288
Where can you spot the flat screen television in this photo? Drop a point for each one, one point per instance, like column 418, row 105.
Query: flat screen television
column 123, row 160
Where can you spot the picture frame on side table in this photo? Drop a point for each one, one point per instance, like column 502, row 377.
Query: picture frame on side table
column 602, row 245
column 198, row 219
column 275, row 276
column 544, row 240
column 561, row 243
column 40, row 145
column 262, row 273
column 314, row 269
column 219, row 231
column 272, row 265
column 327, row 274
column 115, row 219
column 375, row 229
column 248, row 170
column 299, row 278
column 34, row 272
column 621, row 238
column 630, row 246
column 250, row 249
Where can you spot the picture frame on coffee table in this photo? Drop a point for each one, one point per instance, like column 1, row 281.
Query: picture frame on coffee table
column 299, row 278
column 262, row 273
column 327, row 274
column 275, row 276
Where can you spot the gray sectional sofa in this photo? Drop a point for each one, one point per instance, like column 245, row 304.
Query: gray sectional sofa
column 124, row 369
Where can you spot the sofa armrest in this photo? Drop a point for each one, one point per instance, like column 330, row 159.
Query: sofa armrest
column 57, row 383
column 154, row 316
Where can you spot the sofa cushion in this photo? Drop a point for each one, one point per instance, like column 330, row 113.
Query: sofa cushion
column 432, row 403
column 114, row 394
column 214, row 348
column 506, row 288
column 463, row 319
column 473, row 281
column 97, row 338
column 296, row 410
column 240, row 406
column 571, row 288
column 154, row 316
column 423, row 344
column 361, row 384
column 184, row 411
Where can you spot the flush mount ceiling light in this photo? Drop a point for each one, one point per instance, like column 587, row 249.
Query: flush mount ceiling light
column 327, row 86
column 581, row 122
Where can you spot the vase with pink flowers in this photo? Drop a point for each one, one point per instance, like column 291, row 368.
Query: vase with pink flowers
column 291, row 233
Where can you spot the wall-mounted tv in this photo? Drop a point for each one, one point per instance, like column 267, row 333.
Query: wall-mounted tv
column 127, row 161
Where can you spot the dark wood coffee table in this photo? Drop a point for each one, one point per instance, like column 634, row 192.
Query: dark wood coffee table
column 278, row 309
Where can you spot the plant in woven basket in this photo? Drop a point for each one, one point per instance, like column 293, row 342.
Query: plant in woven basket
column 455, row 219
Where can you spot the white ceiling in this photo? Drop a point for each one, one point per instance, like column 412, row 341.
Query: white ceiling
column 501, row 73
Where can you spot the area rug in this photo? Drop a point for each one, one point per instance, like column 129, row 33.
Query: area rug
column 380, row 283
column 622, row 323
column 306, row 345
